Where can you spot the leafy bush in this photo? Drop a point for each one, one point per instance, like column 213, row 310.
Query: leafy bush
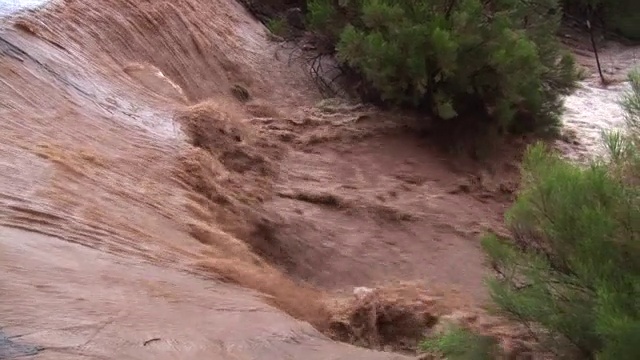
column 621, row 16
column 460, row 344
column 624, row 146
column 490, row 60
column 631, row 104
column 572, row 275
column 575, row 268
column 266, row 10
column 277, row 26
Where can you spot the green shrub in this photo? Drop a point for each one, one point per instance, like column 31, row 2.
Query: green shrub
column 621, row 16
column 575, row 267
column 571, row 273
column 624, row 18
column 490, row 60
column 460, row 344
column 624, row 146
column 278, row 26
column 631, row 104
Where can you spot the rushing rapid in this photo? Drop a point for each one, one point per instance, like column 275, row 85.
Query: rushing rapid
column 596, row 108
column 109, row 246
column 9, row 7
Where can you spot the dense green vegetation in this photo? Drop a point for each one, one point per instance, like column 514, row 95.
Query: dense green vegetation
column 496, row 62
column 621, row 16
column 480, row 66
column 572, row 275
column 477, row 65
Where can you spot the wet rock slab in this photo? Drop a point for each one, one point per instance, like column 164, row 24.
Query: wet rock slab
column 10, row 349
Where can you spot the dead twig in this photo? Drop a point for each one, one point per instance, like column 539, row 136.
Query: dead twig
column 595, row 51
column 150, row 341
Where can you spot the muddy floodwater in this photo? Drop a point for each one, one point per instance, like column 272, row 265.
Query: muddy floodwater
column 148, row 212
column 109, row 246
column 595, row 108
column 591, row 111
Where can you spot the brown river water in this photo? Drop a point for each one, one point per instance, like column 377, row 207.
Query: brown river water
column 120, row 221
column 106, row 247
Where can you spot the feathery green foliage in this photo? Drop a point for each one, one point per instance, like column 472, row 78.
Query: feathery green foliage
column 572, row 272
column 621, row 16
column 575, row 267
column 461, row 344
column 497, row 61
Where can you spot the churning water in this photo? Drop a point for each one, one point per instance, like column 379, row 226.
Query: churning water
column 8, row 7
